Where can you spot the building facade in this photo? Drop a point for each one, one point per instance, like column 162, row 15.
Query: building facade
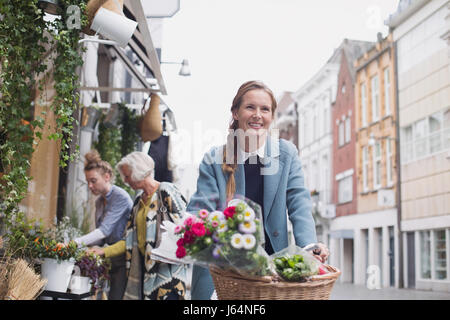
column 286, row 118
column 375, row 127
column 344, row 195
column 421, row 32
column 313, row 102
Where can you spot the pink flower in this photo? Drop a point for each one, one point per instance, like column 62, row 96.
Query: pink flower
column 181, row 252
column 215, row 223
column 189, row 221
column 203, row 214
column 198, row 229
column 178, row 229
column 229, row 212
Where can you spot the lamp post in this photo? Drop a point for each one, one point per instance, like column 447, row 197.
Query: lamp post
column 398, row 197
column 185, row 71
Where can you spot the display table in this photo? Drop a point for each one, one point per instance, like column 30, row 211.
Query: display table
column 65, row 295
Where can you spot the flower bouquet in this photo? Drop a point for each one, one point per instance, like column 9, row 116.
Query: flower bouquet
column 228, row 239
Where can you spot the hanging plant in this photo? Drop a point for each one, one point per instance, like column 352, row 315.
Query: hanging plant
column 29, row 44
column 115, row 142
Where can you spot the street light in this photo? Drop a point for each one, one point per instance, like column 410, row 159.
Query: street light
column 372, row 142
column 185, row 71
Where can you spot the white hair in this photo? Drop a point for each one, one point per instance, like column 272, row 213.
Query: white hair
column 140, row 164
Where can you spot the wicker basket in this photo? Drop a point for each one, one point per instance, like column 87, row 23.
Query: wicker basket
column 232, row 286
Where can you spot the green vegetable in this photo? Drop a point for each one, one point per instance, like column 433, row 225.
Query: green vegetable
column 294, row 268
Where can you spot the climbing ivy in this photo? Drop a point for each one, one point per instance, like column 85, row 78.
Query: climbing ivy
column 29, row 45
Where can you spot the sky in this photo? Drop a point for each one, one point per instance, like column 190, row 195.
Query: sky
column 227, row 42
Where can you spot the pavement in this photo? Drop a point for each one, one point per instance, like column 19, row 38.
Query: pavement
column 348, row 291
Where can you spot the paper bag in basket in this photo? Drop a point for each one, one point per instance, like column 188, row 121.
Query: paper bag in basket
column 150, row 123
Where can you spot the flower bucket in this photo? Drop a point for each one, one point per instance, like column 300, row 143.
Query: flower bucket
column 58, row 274
column 79, row 284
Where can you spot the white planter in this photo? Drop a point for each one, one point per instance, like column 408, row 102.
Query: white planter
column 58, row 274
column 114, row 26
column 79, row 284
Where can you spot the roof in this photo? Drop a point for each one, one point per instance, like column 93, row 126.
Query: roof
column 354, row 49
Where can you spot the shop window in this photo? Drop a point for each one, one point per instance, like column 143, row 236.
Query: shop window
column 425, row 255
column 440, row 255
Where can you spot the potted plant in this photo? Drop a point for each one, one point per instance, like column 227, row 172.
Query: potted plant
column 90, row 270
column 58, row 261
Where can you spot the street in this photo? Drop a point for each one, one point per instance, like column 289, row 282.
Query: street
column 348, row 291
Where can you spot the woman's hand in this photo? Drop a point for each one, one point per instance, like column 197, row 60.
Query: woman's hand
column 96, row 250
column 319, row 250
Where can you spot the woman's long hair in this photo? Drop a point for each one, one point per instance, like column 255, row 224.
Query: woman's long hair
column 232, row 143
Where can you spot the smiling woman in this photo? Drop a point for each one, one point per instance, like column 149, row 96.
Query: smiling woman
column 243, row 171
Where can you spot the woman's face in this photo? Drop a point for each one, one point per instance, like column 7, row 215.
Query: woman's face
column 126, row 172
column 255, row 112
column 98, row 183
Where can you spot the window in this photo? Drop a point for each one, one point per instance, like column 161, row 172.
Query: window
column 407, row 144
column 376, row 165
column 348, row 129
column 341, row 134
column 435, row 127
column 440, row 255
column 446, row 137
column 420, row 141
column 425, row 255
column 365, row 168
column 326, row 120
column 363, row 105
column 345, row 189
column 387, row 90
column 375, row 99
column 389, row 162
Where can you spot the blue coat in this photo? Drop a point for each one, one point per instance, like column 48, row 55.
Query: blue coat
column 284, row 188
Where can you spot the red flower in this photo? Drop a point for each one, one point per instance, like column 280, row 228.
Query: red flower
column 188, row 237
column 229, row 212
column 198, row 229
column 181, row 252
column 180, row 242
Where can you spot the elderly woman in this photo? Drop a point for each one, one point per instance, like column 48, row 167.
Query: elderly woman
column 148, row 279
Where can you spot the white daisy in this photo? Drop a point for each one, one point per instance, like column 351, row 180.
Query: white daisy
column 222, row 226
column 249, row 214
column 237, row 241
column 249, row 241
column 216, row 215
column 235, row 202
column 247, row 227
